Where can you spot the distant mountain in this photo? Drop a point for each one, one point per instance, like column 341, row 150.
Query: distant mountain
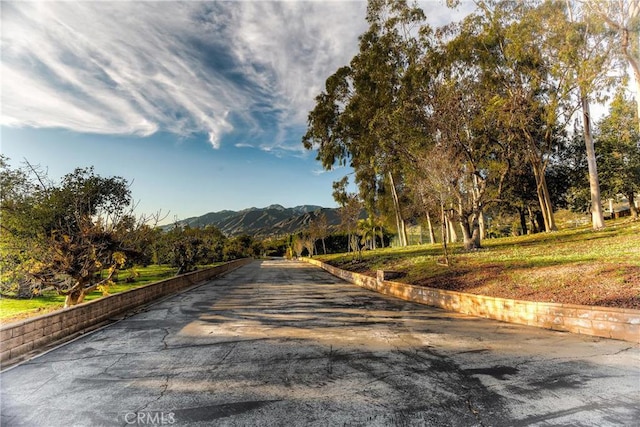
column 300, row 222
column 273, row 220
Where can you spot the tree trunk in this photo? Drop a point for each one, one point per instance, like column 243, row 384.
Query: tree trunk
column 24, row 290
column 74, row 298
column 445, row 237
column 356, row 246
column 475, row 235
column 375, row 237
column 470, row 230
column 478, row 216
column 544, row 198
column 632, row 205
column 466, row 234
column 597, row 216
column 76, row 294
column 533, row 220
column 539, row 220
column 432, row 235
column 402, row 230
column 523, row 221
column 550, row 219
column 636, row 74
column 452, row 235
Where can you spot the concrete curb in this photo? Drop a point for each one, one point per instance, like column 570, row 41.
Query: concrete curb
column 606, row 322
column 25, row 337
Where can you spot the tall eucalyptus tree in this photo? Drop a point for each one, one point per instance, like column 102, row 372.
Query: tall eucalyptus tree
column 585, row 51
column 461, row 123
column 532, row 106
column 360, row 118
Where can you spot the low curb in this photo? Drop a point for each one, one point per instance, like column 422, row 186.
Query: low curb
column 606, row 322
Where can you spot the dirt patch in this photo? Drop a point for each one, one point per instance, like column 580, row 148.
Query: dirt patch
column 583, row 284
column 609, row 286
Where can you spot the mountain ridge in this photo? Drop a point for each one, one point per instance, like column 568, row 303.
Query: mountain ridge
column 273, row 220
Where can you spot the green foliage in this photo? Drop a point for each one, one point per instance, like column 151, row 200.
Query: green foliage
column 186, row 247
column 473, row 119
column 618, row 149
column 61, row 236
column 243, row 246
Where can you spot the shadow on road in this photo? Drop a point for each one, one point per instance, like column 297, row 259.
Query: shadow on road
column 284, row 343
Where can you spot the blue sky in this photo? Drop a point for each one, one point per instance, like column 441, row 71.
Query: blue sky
column 201, row 105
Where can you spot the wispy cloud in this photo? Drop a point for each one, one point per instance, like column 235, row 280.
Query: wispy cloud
column 192, row 67
column 247, row 69
column 243, row 145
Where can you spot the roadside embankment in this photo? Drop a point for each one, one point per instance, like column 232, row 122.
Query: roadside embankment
column 606, row 322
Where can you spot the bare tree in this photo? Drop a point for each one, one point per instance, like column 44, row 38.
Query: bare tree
column 298, row 245
column 318, row 230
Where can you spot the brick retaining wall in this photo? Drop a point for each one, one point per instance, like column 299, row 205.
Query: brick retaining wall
column 607, row 322
column 19, row 338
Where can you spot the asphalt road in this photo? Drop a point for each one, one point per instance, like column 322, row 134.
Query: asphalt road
column 279, row 343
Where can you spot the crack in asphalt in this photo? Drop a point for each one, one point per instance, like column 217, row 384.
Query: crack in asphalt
column 474, row 412
column 43, row 384
column 163, row 390
column 621, row 351
column 120, row 357
column 165, row 345
column 219, row 362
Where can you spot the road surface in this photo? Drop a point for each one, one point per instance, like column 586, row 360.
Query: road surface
column 282, row 343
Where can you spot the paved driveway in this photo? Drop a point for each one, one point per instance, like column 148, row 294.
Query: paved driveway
column 284, row 343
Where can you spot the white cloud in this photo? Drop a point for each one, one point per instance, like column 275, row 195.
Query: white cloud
column 243, row 145
column 107, row 68
column 190, row 67
column 297, row 46
column 140, row 67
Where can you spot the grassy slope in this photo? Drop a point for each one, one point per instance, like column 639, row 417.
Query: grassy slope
column 578, row 266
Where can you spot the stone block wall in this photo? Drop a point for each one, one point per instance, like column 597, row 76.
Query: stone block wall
column 20, row 338
column 607, row 322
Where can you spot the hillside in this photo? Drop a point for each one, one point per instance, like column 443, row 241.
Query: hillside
column 572, row 266
column 274, row 220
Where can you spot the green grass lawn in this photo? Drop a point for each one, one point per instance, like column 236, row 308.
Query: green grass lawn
column 576, row 265
column 13, row 309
